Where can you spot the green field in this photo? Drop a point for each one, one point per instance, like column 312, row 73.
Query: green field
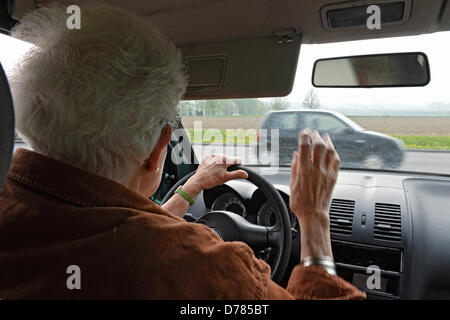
column 247, row 137
column 425, row 142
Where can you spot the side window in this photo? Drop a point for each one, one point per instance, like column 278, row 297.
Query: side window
column 284, row 121
column 322, row 122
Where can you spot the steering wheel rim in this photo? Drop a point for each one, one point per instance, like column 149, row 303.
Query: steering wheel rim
column 278, row 235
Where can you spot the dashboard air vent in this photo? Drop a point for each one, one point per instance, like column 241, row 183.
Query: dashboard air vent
column 388, row 222
column 341, row 216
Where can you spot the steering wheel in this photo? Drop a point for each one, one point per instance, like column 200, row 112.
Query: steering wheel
column 233, row 227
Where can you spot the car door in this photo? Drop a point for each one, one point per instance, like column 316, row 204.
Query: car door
column 287, row 125
column 344, row 137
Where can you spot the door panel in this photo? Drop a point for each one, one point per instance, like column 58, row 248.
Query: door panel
column 346, row 140
column 287, row 124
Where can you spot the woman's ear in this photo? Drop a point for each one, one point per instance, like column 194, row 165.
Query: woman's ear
column 163, row 141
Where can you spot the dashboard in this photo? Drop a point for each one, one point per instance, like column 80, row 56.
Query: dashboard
column 390, row 231
column 256, row 210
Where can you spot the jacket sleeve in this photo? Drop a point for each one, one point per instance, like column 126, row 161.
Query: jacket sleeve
column 308, row 283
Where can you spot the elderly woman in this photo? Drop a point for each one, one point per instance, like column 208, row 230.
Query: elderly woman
column 76, row 221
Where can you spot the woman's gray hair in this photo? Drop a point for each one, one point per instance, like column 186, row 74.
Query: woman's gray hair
column 97, row 97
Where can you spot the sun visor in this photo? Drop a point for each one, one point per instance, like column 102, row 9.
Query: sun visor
column 244, row 68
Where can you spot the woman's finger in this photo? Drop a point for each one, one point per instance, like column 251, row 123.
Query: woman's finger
column 294, row 169
column 330, row 153
column 318, row 149
column 304, row 149
column 294, row 164
column 236, row 174
column 328, row 142
column 230, row 161
column 336, row 162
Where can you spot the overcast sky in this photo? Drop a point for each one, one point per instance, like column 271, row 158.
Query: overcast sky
column 435, row 46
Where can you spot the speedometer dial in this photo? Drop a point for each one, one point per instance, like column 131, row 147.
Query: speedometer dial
column 229, row 202
column 266, row 216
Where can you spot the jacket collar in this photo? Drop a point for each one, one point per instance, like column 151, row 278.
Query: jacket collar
column 73, row 184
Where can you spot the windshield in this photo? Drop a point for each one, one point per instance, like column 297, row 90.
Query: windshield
column 402, row 129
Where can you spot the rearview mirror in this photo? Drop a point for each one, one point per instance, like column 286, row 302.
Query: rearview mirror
column 381, row 70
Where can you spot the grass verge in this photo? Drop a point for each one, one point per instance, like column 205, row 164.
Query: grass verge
column 425, row 142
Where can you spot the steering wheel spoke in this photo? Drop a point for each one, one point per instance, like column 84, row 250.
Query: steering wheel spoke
column 274, row 237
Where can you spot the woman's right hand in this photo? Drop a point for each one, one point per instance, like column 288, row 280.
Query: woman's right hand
column 314, row 172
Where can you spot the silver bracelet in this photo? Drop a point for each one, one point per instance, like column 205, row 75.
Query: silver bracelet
column 326, row 263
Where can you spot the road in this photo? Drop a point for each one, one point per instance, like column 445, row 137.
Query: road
column 417, row 161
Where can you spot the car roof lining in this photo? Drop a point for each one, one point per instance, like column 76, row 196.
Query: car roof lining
column 193, row 21
column 212, row 35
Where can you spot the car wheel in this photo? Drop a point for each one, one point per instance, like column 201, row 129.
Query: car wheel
column 393, row 160
column 374, row 161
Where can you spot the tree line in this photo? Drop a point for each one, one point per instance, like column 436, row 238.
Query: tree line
column 242, row 107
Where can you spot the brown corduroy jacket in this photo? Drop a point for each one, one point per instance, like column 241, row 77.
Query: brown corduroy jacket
column 54, row 215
